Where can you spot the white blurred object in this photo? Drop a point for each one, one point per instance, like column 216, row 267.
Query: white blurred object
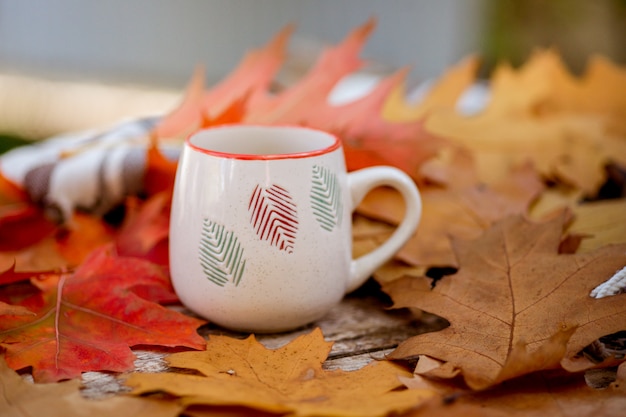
column 358, row 85
column 353, row 87
column 474, row 100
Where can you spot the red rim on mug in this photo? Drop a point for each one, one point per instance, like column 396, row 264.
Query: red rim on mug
column 230, row 141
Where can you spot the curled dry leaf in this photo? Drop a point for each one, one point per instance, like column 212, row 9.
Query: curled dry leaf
column 537, row 395
column 516, row 305
column 286, row 380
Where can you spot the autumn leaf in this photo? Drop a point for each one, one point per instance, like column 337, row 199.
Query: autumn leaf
column 600, row 223
column 516, row 305
column 286, row 380
column 294, row 104
column 252, row 78
column 11, row 310
column 145, row 230
column 516, row 127
column 187, row 116
column 80, row 236
column 461, row 208
column 537, row 395
column 21, row 225
column 12, row 276
column 445, row 93
column 369, row 139
column 597, row 91
column 57, row 246
column 10, row 192
column 21, row 399
column 89, row 319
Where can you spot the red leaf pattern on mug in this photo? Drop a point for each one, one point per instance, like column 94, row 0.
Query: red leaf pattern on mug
column 274, row 216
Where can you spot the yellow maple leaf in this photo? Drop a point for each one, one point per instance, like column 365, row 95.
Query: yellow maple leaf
column 285, row 380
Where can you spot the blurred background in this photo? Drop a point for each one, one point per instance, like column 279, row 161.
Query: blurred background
column 73, row 64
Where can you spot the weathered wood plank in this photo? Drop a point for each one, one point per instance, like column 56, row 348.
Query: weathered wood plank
column 361, row 328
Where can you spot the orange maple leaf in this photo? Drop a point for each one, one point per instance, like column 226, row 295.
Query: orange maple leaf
column 285, row 380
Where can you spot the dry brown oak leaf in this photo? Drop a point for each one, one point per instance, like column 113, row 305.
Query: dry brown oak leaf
column 516, row 306
column 464, row 208
column 23, row 399
column 285, row 380
column 536, row 395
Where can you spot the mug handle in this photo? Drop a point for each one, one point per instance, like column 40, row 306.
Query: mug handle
column 360, row 183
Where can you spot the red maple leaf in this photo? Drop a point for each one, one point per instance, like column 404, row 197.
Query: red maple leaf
column 88, row 320
column 21, row 225
column 145, row 231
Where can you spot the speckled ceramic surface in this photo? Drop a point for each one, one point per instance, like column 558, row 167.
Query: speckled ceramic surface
column 260, row 233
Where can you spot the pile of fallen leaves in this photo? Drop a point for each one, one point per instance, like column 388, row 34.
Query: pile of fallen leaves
column 524, row 214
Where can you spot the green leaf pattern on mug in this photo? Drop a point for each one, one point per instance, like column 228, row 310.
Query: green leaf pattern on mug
column 221, row 254
column 326, row 198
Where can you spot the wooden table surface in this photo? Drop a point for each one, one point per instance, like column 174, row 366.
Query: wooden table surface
column 362, row 328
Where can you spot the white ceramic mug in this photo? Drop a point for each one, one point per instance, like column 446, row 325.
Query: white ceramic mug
column 261, row 230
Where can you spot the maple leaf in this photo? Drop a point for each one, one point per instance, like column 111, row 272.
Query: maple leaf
column 145, row 230
column 286, row 380
column 12, row 276
column 89, row 319
column 21, row 399
column 516, row 306
column 80, row 236
column 22, row 225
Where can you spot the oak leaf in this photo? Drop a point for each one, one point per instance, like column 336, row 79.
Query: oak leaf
column 598, row 91
column 523, row 121
column 460, row 207
column 444, row 94
column 289, row 379
column 537, row 395
column 88, row 320
column 252, row 76
column 600, row 223
column 21, row 399
column 516, row 305
column 369, row 139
